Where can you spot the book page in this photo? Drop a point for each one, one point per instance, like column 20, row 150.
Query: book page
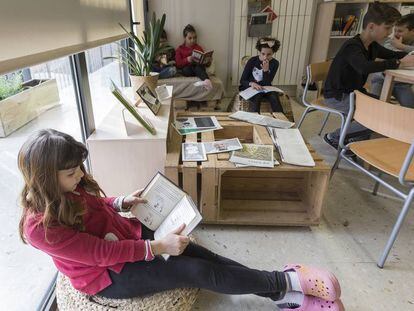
column 162, row 195
column 184, row 212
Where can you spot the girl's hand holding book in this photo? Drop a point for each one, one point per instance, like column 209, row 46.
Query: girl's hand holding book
column 173, row 244
column 256, row 86
column 132, row 199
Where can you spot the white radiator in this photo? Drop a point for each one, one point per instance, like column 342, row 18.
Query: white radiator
column 291, row 28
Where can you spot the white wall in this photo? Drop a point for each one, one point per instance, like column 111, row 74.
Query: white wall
column 212, row 21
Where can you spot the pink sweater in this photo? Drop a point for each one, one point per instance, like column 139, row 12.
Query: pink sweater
column 183, row 51
column 86, row 256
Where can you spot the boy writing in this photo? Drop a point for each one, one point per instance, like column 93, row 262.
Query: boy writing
column 357, row 59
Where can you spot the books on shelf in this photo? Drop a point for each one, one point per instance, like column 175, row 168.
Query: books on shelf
column 260, row 119
column 347, row 25
column 202, row 58
column 167, row 208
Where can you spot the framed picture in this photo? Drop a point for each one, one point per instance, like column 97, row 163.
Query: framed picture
column 149, row 98
column 130, row 107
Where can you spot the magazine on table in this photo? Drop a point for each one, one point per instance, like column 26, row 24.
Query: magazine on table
column 193, row 152
column 259, row 119
column 225, row 145
column 188, row 125
column 167, row 208
column 254, row 155
column 130, row 107
column 149, row 98
column 291, row 147
column 202, row 58
column 250, row 91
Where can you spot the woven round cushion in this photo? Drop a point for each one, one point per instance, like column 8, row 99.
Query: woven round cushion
column 70, row 299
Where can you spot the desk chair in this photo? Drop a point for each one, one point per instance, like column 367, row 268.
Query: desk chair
column 392, row 155
column 317, row 73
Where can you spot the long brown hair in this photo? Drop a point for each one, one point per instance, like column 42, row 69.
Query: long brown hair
column 40, row 158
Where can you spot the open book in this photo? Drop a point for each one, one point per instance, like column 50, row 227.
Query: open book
column 202, row 58
column 166, row 209
column 260, row 119
column 250, row 92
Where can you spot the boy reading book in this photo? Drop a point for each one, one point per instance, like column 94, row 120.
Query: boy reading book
column 356, row 59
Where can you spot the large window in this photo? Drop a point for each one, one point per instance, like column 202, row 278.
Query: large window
column 101, row 71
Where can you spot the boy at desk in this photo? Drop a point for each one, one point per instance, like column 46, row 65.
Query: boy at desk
column 356, row 59
column 402, row 40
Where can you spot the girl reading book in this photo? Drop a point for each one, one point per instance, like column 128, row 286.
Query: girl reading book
column 184, row 59
column 66, row 215
column 259, row 72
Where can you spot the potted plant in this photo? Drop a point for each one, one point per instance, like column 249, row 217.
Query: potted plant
column 22, row 102
column 141, row 57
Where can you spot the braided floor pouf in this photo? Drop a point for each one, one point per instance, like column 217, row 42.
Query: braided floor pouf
column 69, row 299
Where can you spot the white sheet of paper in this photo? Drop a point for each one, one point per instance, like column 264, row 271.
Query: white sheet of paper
column 292, row 147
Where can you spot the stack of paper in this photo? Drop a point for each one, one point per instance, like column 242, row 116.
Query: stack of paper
column 291, row 147
column 253, row 155
column 261, row 120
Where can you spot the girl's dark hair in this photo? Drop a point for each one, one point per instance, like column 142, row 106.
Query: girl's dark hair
column 379, row 13
column 268, row 42
column 407, row 21
column 40, row 159
column 187, row 29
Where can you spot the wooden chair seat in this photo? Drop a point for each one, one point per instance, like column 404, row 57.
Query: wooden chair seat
column 386, row 154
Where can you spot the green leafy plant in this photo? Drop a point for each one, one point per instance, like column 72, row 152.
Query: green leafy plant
column 140, row 58
column 10, row 85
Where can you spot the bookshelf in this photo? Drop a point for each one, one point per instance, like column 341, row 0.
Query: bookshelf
column 330, row 19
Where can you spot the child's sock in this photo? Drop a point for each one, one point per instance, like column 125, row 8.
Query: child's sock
column 291, row 300
column 293, row 280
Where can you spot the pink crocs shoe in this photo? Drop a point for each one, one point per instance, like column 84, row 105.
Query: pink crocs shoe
column 311, row 303
column 316, row 282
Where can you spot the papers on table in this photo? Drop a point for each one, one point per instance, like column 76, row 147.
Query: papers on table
column 220, row 146
column 193, row 152
column 256, row 118
column 250, row 92
column 188, row 125
column 291, row 147
column 254, row 155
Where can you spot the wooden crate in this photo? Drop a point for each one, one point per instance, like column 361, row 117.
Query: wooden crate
column 285, row 195
column 181, row 105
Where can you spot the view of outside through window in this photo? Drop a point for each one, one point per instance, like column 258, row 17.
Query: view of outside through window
column 44, row 98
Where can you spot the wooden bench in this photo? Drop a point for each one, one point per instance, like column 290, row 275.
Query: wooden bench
column 225, row 194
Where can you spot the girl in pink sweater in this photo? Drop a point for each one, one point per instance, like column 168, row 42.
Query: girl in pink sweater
column 66, row 215
column 184, row 60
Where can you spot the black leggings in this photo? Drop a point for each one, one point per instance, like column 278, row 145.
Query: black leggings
column 195, row 70
column 197, row 267
column 271, row 97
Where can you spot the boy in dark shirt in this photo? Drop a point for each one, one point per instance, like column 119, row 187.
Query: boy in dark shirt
column 356, row 59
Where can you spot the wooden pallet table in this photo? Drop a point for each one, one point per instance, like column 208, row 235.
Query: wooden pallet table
column 285, row 195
